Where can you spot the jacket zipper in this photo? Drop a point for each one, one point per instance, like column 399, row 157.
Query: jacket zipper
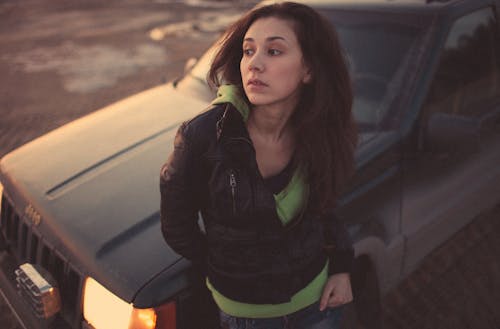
column 249, row 142
column 232, row 180
column 232, row 183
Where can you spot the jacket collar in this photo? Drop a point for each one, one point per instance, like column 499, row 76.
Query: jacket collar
column 230, row 94
column 231, row 129
column 232, row 123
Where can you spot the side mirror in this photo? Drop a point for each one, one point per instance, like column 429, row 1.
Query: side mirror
column 190, row 63
column 451, row 133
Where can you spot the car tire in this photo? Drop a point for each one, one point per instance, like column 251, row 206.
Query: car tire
column 365, row 312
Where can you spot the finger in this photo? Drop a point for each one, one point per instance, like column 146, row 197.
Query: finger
column 324, row 301
column 348, row 296
column 325, row 297
column 336, row 301
column 339, row 300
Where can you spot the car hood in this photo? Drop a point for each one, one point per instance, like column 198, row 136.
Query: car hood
column 95, row 183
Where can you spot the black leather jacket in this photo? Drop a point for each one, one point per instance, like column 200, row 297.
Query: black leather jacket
column 248, row 254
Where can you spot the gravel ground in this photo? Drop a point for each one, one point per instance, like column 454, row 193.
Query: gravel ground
column 51, row 75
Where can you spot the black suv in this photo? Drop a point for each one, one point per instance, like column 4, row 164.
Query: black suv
column 80, row 242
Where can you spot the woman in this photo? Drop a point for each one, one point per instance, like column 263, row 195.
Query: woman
column 264, row 165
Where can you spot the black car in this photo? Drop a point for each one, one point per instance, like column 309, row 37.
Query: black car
column 81, row 244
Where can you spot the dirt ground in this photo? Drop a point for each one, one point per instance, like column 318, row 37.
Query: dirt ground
column 60, row 60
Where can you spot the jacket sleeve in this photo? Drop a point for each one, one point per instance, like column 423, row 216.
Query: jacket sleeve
column 338, row 245
column 180, row 201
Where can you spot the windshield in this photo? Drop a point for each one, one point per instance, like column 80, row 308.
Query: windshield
column 379, row 48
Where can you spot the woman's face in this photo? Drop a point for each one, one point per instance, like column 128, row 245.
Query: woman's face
column 272, row 67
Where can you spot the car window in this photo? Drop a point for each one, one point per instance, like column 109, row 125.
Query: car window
column 468, row 74
column 379, row 50
column 378, row 72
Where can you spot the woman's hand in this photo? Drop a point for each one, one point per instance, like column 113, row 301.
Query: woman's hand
column 337, row 291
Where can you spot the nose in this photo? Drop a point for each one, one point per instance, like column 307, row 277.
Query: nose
column 255, row 63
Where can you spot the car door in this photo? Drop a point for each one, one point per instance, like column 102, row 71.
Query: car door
column 453, row 171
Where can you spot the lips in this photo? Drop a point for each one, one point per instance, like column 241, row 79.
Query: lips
column 256, row 82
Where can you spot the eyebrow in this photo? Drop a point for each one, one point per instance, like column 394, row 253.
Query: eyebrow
column 268, row 39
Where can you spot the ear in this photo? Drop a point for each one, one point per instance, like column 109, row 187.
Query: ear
column 307, row 75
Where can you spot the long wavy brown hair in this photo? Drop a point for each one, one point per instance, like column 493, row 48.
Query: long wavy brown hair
column 323, row 121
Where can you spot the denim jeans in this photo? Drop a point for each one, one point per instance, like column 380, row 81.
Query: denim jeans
column 309, row 317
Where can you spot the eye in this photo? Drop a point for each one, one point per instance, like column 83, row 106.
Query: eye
column 248, row 51
column 274, row 52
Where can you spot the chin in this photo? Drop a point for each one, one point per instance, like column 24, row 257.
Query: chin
column 258, row 100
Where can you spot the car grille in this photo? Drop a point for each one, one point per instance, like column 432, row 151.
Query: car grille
column 29, row 247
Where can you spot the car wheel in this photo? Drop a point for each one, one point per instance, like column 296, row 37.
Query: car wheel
column 365, row 312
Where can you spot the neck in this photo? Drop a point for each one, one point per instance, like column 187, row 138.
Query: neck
column 270, row 123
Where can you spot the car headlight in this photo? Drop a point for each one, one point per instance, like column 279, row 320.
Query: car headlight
column 104, row 310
